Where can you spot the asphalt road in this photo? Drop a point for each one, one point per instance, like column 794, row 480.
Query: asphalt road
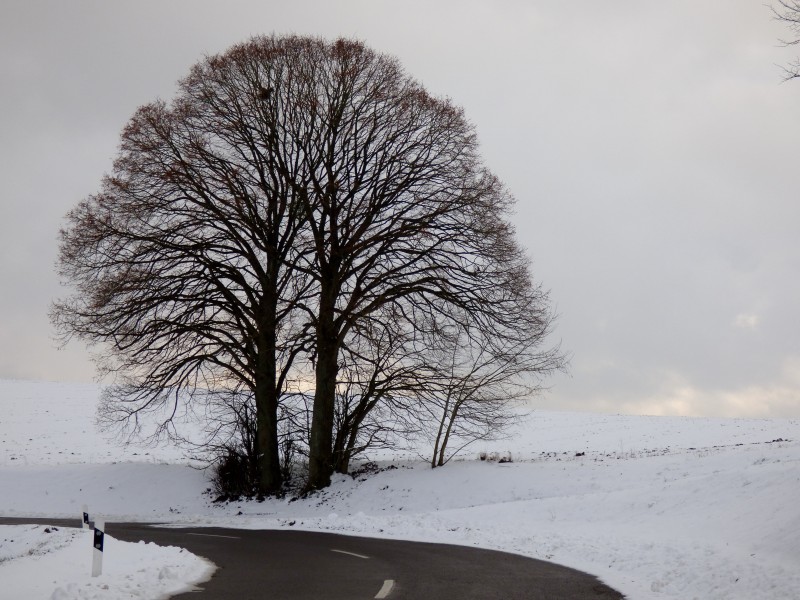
column 299, row 565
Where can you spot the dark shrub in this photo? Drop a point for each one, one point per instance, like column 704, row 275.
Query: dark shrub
column 234, row 475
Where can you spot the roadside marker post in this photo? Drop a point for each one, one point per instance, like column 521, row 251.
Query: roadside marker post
column 86, row 517
column 97, row 557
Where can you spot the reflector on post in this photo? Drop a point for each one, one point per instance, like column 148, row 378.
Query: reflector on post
column 97, row 558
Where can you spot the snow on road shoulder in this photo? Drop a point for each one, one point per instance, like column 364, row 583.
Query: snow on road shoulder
column 39, row 562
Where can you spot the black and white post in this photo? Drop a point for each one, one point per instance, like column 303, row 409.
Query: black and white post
column 97, row 558
column 85, row 517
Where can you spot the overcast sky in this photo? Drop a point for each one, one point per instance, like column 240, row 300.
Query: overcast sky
column 651, row 146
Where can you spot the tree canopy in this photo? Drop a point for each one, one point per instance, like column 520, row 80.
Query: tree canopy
column 302, row 218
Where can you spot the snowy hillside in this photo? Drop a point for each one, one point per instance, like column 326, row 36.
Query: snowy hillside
column 657, row 507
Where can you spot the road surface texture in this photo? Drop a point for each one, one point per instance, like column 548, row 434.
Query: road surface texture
column 300, row 565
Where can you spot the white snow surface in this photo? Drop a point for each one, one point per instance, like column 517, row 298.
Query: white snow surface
column 55, row 563
column 657, row 507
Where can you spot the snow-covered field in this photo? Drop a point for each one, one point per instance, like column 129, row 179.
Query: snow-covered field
column 657, row 507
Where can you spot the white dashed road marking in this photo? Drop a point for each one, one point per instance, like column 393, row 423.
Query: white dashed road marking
column 230, row 537
column 386, row 589
column 349, row 553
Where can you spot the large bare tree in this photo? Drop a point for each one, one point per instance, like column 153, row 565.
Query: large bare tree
column 402, row 212
column 299, row 201
column 182, row 263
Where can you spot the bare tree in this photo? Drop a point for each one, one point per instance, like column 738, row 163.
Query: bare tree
column 182, row 263
column 380, row 368
column 300, row 212
column 479, row 382
column 402, row 212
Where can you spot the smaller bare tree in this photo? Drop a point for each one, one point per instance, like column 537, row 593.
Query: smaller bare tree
column 378, row 367
column 480, row 381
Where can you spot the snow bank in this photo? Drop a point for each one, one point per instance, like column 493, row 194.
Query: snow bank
column 38, row 562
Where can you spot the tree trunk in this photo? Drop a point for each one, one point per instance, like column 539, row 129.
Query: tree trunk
column 269, row 481
column 342, row 464
column 340, row 459
column 347, row 454
column 266, row 397
column 443, row 447
column 439, row 433
column 320, row 455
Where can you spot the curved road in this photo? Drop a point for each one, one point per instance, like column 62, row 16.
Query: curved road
column 299, row 565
